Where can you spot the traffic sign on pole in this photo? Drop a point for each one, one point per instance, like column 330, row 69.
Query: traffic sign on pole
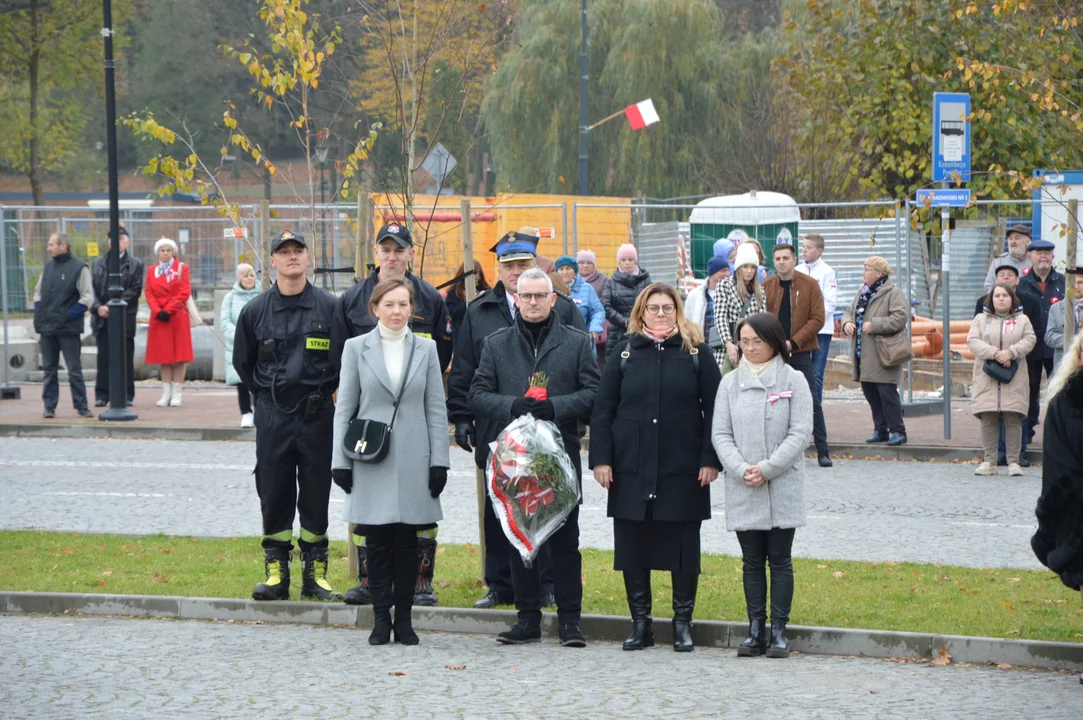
column 951, row 137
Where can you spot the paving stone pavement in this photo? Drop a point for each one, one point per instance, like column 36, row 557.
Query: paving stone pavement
column 858, row 510
column 116, row 668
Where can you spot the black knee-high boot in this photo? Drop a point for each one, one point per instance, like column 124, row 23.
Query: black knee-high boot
column 379, row 567
column 684, row 602
column 637, row 585
column 406, row 563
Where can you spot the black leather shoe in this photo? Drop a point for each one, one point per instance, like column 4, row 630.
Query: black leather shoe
column 780, row 645
column 1002, row 461
column 548, row 600
column 825, row 461
column 520, row 634
column 1023, row 462
column 897, row 439
column 756, row 642
column 492, row 599
column 877, row 437
column 572, row 636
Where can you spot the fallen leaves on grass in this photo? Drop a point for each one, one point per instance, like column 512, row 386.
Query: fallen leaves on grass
column 1013, row 631
column 838, row 573
column 1012, row 580
column 1007, row 605
column 943, row 657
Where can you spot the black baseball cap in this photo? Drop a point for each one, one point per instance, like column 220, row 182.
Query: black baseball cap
column 395, row 231
column 286, row 237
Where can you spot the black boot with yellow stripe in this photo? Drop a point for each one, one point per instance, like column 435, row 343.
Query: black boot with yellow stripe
column 314, row 585
column 277, row 566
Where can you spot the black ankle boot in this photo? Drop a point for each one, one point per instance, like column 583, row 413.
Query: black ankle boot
column 314, row 585
column 637, row 585
column 360, row 594
column 684, row 602
column 756, row 642
column 780, row 645
column 276, row 565
column 379, row 565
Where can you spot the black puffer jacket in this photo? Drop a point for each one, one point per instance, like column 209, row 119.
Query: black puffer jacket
column 618, row 298
column 1058, row 544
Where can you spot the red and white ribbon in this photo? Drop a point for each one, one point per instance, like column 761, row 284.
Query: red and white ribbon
column 784, row 395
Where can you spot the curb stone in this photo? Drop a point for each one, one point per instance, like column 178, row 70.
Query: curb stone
column 706, row 633
column 123, row 431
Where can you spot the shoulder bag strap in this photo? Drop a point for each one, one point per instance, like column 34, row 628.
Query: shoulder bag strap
column 405, row 375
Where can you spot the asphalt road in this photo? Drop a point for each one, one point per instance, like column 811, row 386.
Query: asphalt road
column 858, row 510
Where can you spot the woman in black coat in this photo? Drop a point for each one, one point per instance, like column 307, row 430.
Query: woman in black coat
column 651, row 448
column 1059, row 540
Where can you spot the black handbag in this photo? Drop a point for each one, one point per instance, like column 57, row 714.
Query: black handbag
column 995, row 370
column 369, row 441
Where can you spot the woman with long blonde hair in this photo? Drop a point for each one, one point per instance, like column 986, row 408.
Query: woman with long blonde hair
column 651, row 449
column 1058, row 544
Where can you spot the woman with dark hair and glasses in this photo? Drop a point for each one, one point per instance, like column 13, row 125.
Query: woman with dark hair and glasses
column 651, row 448
column 762, row 423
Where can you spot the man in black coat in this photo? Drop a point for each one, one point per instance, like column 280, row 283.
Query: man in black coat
column 1008, row 274
column 132, row 273
column 489, row 312
column 1045, row 283
column 539, row 342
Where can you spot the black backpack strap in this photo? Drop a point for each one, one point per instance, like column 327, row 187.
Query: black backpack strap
column 627, row 353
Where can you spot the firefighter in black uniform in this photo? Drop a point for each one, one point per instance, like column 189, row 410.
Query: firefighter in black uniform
column 394, row 253
column 287, row 354
column 491, row 311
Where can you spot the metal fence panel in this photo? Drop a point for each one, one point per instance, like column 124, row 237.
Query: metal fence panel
column 657, row 245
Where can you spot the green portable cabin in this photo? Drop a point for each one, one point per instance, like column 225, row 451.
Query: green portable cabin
column 766, row 216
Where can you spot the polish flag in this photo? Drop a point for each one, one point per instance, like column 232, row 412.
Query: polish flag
column 641, row 114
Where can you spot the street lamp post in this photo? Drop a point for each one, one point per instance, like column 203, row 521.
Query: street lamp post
column 118, row 393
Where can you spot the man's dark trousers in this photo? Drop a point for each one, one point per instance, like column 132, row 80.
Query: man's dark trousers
column 802, row 362
column 498, row 552
column 51, row 348
column 567, row 576
column 1034, row 371
column 101, row 383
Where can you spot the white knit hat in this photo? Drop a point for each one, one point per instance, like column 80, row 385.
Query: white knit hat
column 746, row 255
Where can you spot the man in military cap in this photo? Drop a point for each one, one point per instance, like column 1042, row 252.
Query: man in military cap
column 1042, row 281
column 1017, row 256
column 394, row 253
column 491, row 311
column 287, row 354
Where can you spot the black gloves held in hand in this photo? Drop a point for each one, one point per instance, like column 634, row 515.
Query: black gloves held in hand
column 437, row 480
column 541, row 409
column 464, row 435
column 343, row 477
column 163, row 316
column 520, row 406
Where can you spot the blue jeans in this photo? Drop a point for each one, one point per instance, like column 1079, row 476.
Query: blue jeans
column 819, row 365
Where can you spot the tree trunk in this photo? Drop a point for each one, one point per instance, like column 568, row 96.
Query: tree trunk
column 34, row 172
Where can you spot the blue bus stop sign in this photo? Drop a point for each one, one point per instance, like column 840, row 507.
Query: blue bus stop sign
column 951, row 137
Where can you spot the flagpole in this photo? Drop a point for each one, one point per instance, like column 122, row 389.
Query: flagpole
column 583, row 76
column 606, row 119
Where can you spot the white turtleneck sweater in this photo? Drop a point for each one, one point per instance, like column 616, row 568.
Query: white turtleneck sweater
column 394, row 345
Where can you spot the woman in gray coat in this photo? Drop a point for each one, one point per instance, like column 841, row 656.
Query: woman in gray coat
column 390, row 501
column 762, row 423
column 243, row 292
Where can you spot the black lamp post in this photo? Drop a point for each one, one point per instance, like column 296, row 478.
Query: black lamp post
column 118, row 393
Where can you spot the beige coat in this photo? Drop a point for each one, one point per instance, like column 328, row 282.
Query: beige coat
column 1014, row 334
column 886, row 316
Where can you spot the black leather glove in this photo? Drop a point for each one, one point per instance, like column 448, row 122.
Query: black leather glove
column 437, row 480
column 543, row 409
column 464, row 435
column 520, row 406
column 163, row 316
column 343, row 477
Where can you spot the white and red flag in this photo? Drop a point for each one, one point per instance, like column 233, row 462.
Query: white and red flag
column 641, row 114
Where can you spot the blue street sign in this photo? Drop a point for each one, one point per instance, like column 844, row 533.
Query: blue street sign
column 955, row 197
column 951, row 137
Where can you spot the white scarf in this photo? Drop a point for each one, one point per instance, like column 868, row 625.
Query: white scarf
column 171, row 270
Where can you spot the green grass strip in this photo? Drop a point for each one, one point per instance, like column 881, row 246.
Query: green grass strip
column 888, row 596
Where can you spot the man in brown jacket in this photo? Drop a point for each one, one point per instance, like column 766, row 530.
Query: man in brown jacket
column 796, row 300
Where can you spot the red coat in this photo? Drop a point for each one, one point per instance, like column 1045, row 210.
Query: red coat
column 170, row 341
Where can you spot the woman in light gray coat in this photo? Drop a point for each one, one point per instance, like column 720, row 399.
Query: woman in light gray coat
column 762, row 423
column 390, row 501
column 244, row 290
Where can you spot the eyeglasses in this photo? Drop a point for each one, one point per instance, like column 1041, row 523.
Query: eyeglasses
column 753, row 343
column 660, row 309
column 532, row 297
